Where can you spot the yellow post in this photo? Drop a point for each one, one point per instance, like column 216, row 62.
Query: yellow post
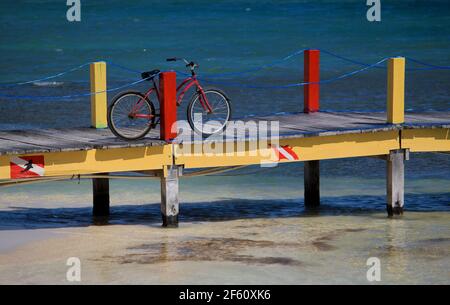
column 98, row 100
column 396, row 91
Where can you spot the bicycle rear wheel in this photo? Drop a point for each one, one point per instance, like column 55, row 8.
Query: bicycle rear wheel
column 207, row 122
column 131, row 115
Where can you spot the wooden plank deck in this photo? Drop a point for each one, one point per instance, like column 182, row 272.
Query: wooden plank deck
column 296, row 125
column 59, row 140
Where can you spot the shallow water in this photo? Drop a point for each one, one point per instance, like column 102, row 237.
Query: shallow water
column 247, row 229
column 294, row 250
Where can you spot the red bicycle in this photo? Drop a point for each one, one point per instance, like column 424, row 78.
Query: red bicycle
column 132, row 114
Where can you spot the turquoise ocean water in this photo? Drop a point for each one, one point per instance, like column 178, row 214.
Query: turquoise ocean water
column 36, row 40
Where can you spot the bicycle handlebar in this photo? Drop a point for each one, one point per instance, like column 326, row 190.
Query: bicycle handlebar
column 189, row 64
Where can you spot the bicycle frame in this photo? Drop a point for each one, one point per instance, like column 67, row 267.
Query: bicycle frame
column 181, row 91
column 138, row 105
column 187, row 84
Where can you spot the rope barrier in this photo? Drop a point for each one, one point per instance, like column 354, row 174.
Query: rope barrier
column 211, row 78
column 45, row 78
column 123, row 67
column 225, row 83
column 31, row 97
column 234, row 84
column 60, row 74
column 430, row 66
column 263, row 67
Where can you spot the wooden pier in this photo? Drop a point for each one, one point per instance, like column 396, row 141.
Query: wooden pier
column 310, row 135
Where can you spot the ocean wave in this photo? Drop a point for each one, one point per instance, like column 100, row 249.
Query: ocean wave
column 48, row 84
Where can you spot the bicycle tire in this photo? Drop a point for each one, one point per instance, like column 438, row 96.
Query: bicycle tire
column 112, row 125
column 191, row 105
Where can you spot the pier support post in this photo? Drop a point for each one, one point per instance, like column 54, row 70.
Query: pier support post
column 311, row 104
column 169, row 196
column 395, row 181
column 312, row 183
column 99, row 102
column 100, row 187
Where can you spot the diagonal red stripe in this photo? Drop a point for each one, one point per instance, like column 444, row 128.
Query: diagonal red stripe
column 290, row 151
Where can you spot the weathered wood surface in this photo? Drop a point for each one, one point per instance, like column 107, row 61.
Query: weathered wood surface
column 395, row 182
column 170, row 198
column 291, row 125
column 55, row 140
column 334, row 123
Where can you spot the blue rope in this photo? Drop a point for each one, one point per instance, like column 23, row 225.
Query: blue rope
column 33, row 97
column 430, row 66
column 234, row 84
column 346, row 58
column 205, row 80
column 410, row 110
column 244, row 72
column 299, row 52
column 218, row 75
column 45, row 78
column 123, row 67
column 64, row 73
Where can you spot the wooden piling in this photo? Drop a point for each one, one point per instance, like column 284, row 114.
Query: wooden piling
column 311, row 104
column 168, row 96
column 396, row 91
column 311, row 75
column 312, row 183
column 395, row 181
column 100, row 187
column 99, row 102
column 169, row 196
column 99, row 105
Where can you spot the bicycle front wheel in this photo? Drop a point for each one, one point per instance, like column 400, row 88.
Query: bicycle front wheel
column 209, row 120
column 131, row 115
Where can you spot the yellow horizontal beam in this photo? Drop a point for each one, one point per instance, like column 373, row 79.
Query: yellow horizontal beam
column 237, row 153
column 98, row 161
column 426, row 140
column 306, row 149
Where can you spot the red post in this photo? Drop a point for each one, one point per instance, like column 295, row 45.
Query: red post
column 311, row 75
column 168, row 100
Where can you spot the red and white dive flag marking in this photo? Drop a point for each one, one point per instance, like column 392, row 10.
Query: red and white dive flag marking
column 284, row 152
column 27, row 167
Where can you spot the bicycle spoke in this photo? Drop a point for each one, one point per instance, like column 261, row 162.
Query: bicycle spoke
column 215, row 120
column 123, row 121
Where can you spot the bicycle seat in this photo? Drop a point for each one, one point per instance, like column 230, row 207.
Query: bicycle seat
column 149, row 75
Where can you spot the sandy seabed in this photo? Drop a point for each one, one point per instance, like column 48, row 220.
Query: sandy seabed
column 289, row 250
